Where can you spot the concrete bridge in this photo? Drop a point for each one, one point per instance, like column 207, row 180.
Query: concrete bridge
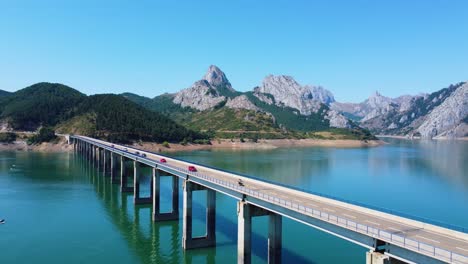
column 390, row 238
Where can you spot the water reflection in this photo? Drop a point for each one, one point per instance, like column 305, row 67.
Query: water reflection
column 152, row 247
column 161, row 242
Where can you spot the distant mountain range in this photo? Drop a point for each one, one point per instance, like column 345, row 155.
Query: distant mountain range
column 279, row 107
column 289, row 105
column 440, row 114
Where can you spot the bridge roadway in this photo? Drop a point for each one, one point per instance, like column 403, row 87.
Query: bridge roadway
column 405, row 239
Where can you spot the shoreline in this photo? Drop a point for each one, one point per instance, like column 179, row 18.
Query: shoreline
column 419, row 138
column 226, row 144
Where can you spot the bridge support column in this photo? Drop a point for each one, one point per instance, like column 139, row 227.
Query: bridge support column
column 275, row 227
column 114, row 168
column 374, row 257
column 124, row 175
column 136, row 185
column 174, row 213
column 94, row 153
column 245, row 213
column 98, row 158
column 104, row 161
column 86, row 150
column 209, row 240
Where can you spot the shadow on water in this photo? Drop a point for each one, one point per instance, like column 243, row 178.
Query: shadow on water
column 163, row 245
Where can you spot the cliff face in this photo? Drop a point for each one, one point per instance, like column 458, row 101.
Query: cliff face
column 449, row 118
column 287, row 92
column 442, row 113
column 207, row 93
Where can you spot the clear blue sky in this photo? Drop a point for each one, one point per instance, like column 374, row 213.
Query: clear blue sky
column 150, row 47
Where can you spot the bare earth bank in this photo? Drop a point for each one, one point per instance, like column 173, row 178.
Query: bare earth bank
column 62, row 146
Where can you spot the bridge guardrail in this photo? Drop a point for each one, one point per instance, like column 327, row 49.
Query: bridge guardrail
column 416, row 245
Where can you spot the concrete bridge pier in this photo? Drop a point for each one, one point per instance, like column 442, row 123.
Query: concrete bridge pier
column 245, row 213
column 85, row 151
column 124, row 169
column 137, row 167
column 209, row 239
column 375, row 257
column 174, row 213
column 104, row 161
column 98, row 158
column 114, row 168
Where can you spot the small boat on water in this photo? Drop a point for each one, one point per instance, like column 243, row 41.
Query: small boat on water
column 2, row 221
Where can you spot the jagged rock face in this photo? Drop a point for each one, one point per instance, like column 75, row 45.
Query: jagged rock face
column 337, row 120
column 320, row 94
column 287, row 92
column 201, row 96
column 217, row 78
column 405, row 101
column 446, row 118
column 432, row 115
column 241, row 102
column 206, row 93
column 376, row 105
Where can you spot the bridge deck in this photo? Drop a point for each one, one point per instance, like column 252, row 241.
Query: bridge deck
column 441, row 243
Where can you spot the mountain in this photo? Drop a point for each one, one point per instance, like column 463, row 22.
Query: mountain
column 207, row 93
column 4, row 93
column 108, row 116
column 375, row 105
column 442, row 113
column 40, row 104
column 119, row 119
column 285, row 91
column 286, row 106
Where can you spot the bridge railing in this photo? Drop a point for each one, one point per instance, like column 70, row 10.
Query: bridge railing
column 413, row 244
column 403, row 241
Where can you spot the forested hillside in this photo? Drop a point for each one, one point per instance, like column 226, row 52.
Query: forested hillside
column 42, row 104
column 4, row 93
column 107, row 116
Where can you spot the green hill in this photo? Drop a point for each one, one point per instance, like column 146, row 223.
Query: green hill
column 107, row 116
column 42, row 104
column 4, row 93
column 119, row 119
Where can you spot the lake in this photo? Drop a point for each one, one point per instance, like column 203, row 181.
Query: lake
column 59, row 209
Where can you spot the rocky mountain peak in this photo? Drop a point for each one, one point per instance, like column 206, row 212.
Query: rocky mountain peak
column 215, row 77
column 288, row 92
column 321, row 94
column 376, row 100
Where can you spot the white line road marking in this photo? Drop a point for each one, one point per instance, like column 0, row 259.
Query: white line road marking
column 464, row 249
column 372, row 222
column 435, row 241
column 328, row 209
column 349, row 216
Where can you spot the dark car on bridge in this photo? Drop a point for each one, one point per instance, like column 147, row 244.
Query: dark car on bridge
column 192, row 168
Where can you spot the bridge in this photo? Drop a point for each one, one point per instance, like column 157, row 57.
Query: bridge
column 389, row 237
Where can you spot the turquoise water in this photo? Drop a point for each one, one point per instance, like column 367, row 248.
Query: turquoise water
column 59, row 209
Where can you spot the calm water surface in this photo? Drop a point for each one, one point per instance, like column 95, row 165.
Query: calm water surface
column 59, row 209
